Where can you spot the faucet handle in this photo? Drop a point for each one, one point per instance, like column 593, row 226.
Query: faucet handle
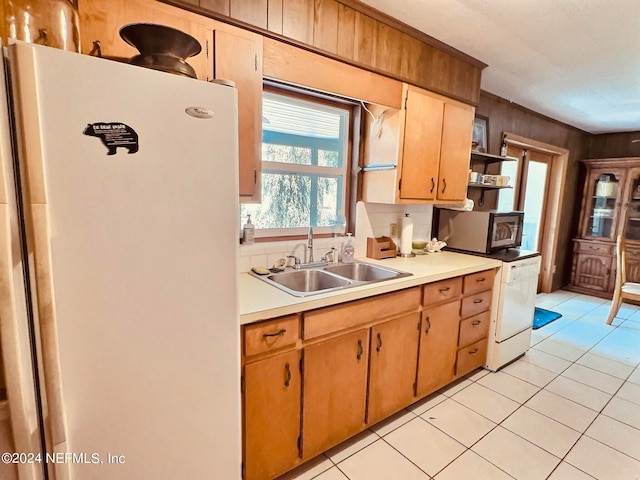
column 325, row 257
column 296, row 261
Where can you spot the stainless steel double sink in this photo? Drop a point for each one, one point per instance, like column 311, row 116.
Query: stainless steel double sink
column 311, row 281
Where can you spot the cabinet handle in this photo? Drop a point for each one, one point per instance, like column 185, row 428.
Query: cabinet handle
column 444, row 183
column 442, row 290
column 360, row 350
column 433, row 184
column 480, row 280
column 287, row 375
column 379, row 347
column 476, row 323
column 277, row 334
column 477, row 300
column 428, row 325
column 473, row 352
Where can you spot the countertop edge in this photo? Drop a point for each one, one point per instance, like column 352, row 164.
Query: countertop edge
column 280, row 303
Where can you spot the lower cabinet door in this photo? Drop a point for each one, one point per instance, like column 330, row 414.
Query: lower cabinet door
column 392, row 373
column 271, row 416
column 592, row 271
column 438, row 347
column 334, row 391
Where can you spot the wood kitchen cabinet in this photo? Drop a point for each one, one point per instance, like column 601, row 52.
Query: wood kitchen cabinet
column 101, row 22
column 237, row 56
column 419, row 154
column 271, row 415
column 312, row 380
column 271, row 385
column 335, row 391
column 610, row 207
column 438, row 347
column 475, row 317
column 394, row 351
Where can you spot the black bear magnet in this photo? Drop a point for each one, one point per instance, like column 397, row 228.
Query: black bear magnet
column 114, row 135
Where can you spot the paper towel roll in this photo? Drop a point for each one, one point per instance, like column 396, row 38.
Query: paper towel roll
column 406, row 235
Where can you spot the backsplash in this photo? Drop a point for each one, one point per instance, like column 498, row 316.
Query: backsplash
column 372, row 220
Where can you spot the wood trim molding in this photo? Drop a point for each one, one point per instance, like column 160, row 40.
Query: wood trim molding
column 555, row 199
column 287, row 63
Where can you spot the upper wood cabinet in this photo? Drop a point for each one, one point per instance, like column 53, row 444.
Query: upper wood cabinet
column 419, row 154
column 228, row 53
column 237, row 56
column 101, row 22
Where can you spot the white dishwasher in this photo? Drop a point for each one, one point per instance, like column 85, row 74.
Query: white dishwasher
column 510, row 331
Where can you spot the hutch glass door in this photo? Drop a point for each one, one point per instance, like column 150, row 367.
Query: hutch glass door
column 632, row 226
column 601, row 206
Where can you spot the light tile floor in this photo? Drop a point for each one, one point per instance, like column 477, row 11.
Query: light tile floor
column 569, row 409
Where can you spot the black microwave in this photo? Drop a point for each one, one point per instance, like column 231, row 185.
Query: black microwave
column 481, row 232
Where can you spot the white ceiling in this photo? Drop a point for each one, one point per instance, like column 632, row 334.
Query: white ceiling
column 577, row 61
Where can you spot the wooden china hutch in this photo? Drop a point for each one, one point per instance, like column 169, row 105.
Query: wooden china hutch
column 610, row 207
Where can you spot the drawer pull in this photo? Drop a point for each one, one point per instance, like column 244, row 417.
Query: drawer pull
column 360, row 350
column 480, row 280
column 478, row 300
column 446, row 289
column 428, row 325
column 476, row 323
column 473, row 352
column 379, row 347
column 287, row 375
column 277, row 334
column 594, row 248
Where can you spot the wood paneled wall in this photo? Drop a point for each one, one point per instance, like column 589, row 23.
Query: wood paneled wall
column 356, row 34
column 505, row 116
column 614, row 145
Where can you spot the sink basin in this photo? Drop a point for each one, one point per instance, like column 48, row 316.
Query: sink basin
column 308, row 280
column 363, row 272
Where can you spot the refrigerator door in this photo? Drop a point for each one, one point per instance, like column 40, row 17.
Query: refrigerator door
column 20, row 423
column 131, row 191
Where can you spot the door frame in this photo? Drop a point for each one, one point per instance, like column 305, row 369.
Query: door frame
column 555, row 196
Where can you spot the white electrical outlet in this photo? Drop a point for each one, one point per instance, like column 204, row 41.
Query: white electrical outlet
column 393, row 230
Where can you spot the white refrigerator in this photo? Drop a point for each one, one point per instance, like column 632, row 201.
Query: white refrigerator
column 124, row 216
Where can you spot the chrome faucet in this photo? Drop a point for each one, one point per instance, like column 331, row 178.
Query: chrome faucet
column 310, row 244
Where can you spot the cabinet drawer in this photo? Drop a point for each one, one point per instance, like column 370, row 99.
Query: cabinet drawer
column 474, row 328
column 471, row 357
column 478, row 282
column 442, row 291
column 271, row 335
column 596, row 248
column 474, row 304
column 339, row 317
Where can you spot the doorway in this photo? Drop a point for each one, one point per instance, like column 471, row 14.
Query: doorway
column 537, row 175
column 530, row 174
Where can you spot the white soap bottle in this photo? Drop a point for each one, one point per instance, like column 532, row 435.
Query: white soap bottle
column 348, row 250
column 248, row 232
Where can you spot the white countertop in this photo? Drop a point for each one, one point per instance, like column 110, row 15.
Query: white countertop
column 261, row 301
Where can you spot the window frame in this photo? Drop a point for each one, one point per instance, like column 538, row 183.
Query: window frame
column 351, row 151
